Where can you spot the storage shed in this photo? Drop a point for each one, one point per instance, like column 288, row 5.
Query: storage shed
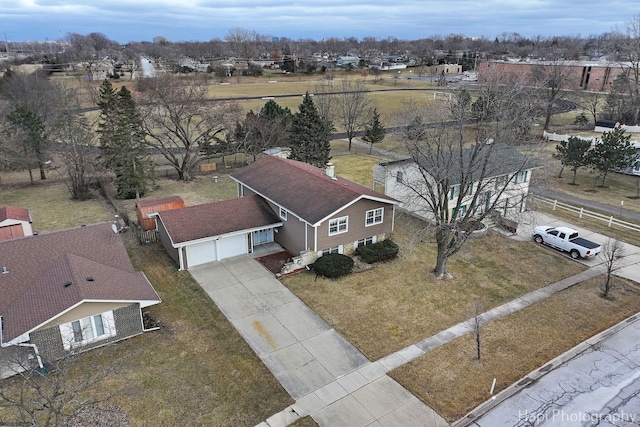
column 146, row 207
column 14, row 222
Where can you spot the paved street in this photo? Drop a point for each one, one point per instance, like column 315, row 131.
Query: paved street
column 600, row 386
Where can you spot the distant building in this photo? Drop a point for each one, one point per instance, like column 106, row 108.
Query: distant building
column 587, row 75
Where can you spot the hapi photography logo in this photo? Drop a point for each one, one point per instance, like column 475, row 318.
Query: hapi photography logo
column 559, row 417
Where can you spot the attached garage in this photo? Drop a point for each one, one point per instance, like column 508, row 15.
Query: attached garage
column 210, row 232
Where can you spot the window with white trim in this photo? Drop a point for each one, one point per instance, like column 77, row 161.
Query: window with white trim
column 338, row 225
column 335, row 250
column 365, row 242
column 374, row 216
column 399, row 177
column 283, row 213
column 87, row 330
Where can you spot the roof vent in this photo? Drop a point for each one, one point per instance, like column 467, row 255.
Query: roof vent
column 67, row 284
column 89, row 279
column 334, row 178
column 5, row 270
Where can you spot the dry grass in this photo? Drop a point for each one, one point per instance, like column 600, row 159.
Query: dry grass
column 401, row 302
column 453, row 382
column 50, row 204
column 358, row 168
column 197, row 367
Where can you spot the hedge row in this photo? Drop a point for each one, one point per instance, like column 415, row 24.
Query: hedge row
column 377, row 252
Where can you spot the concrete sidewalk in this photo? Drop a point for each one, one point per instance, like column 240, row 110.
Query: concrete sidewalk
column 327, row 376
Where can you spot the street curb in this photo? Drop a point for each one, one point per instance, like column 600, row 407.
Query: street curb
column 538, row 373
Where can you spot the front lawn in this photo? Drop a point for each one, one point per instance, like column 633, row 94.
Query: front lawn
column 401, row 302
column 452, row 381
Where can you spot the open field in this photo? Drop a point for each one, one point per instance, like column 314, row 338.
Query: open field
column 452, row 381
column 401, row 302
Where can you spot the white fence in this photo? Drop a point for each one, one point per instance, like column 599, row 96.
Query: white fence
column 631, row 129
column 582, row 212
column 565, row 137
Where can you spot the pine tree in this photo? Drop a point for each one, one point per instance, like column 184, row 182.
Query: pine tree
column 374, row 132
column 613, row 152
column 310, row 135
column 122, row 142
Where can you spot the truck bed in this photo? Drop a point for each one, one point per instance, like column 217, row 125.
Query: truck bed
column 585, row 243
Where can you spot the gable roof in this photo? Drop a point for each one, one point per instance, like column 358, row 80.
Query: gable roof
column 217, row 218
column 503, row 160
column 34, row 291
column 12, row 212
column 303, row 189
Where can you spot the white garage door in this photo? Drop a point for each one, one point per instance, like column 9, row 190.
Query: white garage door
column 232, row 246
column 201, row 253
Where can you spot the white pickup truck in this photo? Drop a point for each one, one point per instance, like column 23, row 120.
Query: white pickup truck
column 566, row 239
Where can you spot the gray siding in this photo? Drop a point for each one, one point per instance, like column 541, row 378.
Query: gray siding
column 166, row 242
column 356, row 227
column 128, row 322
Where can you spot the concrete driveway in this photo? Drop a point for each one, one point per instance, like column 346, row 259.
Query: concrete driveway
column 326, row 375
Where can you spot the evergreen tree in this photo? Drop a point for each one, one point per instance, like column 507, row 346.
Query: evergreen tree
column 613, row 152
column 31, row 134
column 122, row 142
column 374, row 132
column 310, row 135
column 573, row 153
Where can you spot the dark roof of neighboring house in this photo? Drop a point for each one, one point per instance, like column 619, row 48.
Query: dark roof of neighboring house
column 303, row 189
column 217, row 218
column 11, row 212
column 33, row 291
column 502, row 160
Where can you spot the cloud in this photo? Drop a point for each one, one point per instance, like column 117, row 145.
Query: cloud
column 137, row 20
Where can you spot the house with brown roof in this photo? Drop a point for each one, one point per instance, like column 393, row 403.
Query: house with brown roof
column 214, row 231
column 70, row 290
column 15, row 222
column 306, row 210
column 320, row 212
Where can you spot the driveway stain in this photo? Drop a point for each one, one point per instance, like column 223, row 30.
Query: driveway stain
column 257, row 325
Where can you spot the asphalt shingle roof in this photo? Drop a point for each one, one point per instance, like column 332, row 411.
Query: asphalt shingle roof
column 217, row 218
column 33, row 290
column 303, row 189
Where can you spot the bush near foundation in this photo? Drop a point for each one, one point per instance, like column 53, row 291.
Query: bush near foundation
column 377, row 252
column 333, row 265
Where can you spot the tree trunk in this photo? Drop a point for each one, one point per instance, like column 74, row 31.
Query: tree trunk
column 575, row 173
column 440, row 269
column 42, row 174
column 350, row 138
column 561, row 170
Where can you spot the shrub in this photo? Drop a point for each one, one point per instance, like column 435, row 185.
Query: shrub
column 377, row 252
column 333, row 265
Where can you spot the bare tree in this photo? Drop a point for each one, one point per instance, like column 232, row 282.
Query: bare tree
column 60, row 392
column 181, row 122
column 33, row 108
column 324, row 98
column 551, row 78
column 474, row 323
column 612, row 252
column 626, row 47
column 353, row 107
column 460, row 175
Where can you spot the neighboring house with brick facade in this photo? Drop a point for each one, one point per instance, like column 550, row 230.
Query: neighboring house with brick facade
column 14, row 222
column 70, row 290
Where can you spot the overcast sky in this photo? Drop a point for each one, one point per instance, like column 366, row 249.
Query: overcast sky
column 201, row 20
